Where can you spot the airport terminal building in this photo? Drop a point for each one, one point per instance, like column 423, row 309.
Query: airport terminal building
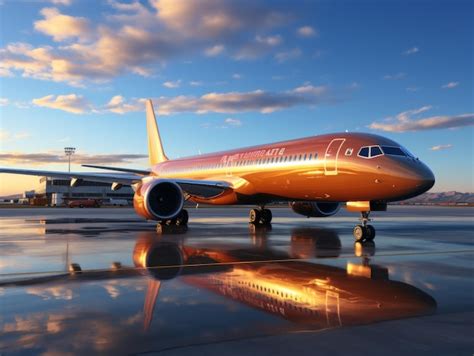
column 49, row 187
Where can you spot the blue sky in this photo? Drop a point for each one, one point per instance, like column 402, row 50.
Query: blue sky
column 225, row 74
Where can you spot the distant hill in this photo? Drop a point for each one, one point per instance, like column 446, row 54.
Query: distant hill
column 444, row 198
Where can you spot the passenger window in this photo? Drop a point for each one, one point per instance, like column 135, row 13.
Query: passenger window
column 375, row 151
column 364, row 152
column 310, row 156
column 304, row 157
column 349, row 151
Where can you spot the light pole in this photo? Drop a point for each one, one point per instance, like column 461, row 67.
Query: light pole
column 69, row 151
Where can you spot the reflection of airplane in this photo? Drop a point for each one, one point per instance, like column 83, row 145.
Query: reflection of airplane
column 316, row 174
column 321, row 295
column 271, row 281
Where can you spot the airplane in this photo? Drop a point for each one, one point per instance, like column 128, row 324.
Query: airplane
column 315, row 175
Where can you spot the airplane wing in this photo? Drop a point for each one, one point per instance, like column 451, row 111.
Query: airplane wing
column 192, row 187
column 119, row 169
column 127, row 179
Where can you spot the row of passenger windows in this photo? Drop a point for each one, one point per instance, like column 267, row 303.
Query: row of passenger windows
column 374, row 151
column 260, row 161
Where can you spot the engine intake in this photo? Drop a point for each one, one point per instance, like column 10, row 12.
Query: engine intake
column 158, row 200
column 315, row 209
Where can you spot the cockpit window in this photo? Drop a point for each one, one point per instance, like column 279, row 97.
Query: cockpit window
column 375, row 151
column 393, row 151
column 364, row 152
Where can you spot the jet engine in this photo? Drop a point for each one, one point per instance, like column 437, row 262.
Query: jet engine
column 315, row 209
column 158, row 200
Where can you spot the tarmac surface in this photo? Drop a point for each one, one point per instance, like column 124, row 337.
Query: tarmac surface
column 103, row 281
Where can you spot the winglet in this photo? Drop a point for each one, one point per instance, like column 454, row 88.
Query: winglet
column 156, row 153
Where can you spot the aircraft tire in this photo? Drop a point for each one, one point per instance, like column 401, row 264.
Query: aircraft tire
column 370, row 233
column 266, row 216
column 182, row 218
column 254, row 216
column 359, row 233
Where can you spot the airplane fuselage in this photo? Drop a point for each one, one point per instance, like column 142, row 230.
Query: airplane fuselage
column 320, row 168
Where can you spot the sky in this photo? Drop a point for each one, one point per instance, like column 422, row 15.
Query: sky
column 227, row 74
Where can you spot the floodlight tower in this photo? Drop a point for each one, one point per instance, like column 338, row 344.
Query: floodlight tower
column 69, row 151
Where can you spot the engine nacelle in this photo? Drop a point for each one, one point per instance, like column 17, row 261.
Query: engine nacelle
column 315, row 209
column 158, row 200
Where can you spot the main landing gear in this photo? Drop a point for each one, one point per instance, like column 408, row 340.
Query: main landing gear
column 181, row 219
column 364, row 231
column 260, row 216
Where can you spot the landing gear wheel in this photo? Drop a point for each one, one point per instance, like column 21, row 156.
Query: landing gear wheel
column 254, row 216
column 266, row 217
column 370, row 233
column 359, row 233
column 182, row 218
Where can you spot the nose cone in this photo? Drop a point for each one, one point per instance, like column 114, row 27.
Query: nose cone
column 422, row 177
column 426, row 178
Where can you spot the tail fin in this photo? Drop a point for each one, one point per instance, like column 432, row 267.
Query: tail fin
column 155, row 147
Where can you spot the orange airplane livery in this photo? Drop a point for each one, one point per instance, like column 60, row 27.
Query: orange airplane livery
column 316, row 175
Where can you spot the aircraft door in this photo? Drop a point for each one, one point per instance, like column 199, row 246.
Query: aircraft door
column 331, row 156
column 228, row 168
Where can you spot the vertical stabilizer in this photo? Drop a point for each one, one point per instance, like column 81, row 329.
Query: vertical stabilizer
column 155, row 147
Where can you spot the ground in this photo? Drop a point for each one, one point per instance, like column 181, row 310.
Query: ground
column 104, row 281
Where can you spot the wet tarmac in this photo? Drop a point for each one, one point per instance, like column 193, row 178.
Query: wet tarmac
column 102, row 281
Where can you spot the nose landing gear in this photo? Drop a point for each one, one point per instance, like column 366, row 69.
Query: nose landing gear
column 260, row 216
column 364, row 231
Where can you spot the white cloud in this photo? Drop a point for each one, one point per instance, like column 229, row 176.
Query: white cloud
column 396, row 76
column 72, row 103
column 233, row 122
column 233, row 102
column 8, row 136
column 412, row 50
column 214, row 50
column 172, row 84
column 62, row 27
column 269, row 40
column 307, row 31
column 258, row 47
column 236, row 76
column 450, row 85
column 288, row 55
column 139, row 39
column 61, row 2
column 118, row 105
column 4, row 101
column 196, row 83
column 441, row 147
column 230, row 102
column 213, row 18
column 404, row 122
column 412, row 89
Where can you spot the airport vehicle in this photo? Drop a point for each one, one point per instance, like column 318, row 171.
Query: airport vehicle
column 316, row 175
column 84, row 203
column 118, row 202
